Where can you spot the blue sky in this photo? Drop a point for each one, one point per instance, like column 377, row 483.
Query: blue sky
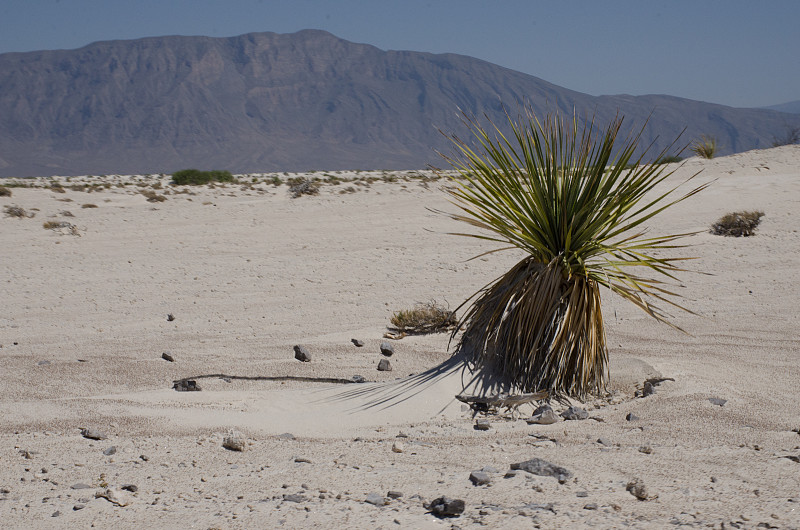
column 739, row 53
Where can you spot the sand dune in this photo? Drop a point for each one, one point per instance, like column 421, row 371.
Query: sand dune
column 248, row 272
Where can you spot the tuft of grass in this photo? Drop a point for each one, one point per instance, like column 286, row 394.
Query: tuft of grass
column 196, row 177
column 424, row 318
column 705, row 147
column 153, row 196
column 5, row 192
column 303, row 186
column 737, row 224
column 18, row 212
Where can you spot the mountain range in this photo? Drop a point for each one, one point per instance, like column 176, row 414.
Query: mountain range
column 295, row 102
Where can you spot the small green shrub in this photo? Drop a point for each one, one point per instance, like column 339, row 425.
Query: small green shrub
column 424, row 318
column 705, row 147
column 5, row 192
column 196, row 177
column 737, row 224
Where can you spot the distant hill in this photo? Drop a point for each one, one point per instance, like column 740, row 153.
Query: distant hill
column 294, row 102
column 792, row 107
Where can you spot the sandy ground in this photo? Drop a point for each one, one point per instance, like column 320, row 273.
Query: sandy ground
column 248, row 272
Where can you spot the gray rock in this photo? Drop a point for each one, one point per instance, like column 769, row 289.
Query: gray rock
column 375, row 498
column 302, row 460
column 234, row 441
column 358, row 379
column 394, row 494
column 479, row 478
column 646, row 449
column 575, row 413
column 546, row 417
column 447, row 507
column 631, row 417
column 648, row 389
column 490, row 469
column 302, row 354
column 56, row 514
column 398, row 447
column 603, row 441
column 537, row 466
column 358, row 343
column 133, row 488
column 294, row 497
column 387, row 349
column 93, row 434
column 80, row 486
column 167, row 356
column 170, row 317
column 186, row 385
column 115, row 496
column 384, row 365
column 286, row 436
column 78, row 507
column 590, row 506
column 482, row 424
column 110, row 451
column 717, row 401
column 43, row 363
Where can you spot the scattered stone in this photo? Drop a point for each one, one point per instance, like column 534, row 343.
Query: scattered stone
column 167, row 356
column 302, row 460
column 546, row 417
column 637, row 488
column 490, row 469
column 56, row 514
column 447, row 507
column 133, row 488
column 358, row 379
column 384, row 366
column 302, row 354
column 43, row 363
column 358, row 343
column 144, row 458
column 717, row 401
column 80, row 486
column 78, row 507
column 115, row 496
column 110, row 451
column 186, row 385
column 479, row 478
column 537, row 466
column 93, row 434
column 387, row 349
column 286, row 436
column 482, row 424
column 590, row 506
column 294, row 497
column 27, row 455
column 398, row 447
column 603, row 441
column 234, row 441
column 582, row 494
column 575, row 413
column 394, row 494
column 170, row 317
column 376, row 499
column 648, row 389
column 646, row 449
column 631, row 417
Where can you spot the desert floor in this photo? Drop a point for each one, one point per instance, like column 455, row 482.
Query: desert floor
column 248, row 272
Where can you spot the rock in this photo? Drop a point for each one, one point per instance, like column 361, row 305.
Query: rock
column 302, row 354
column 170, row 317
column 384, row 365
column 133, row 488
column 546, row 417
column 394, row 494
column 482, row 424
column 56, row 514
column 358, row 343
column 479, row 478
column 302, row 460
column 537, row 466
column 110, row 451
column 78, row 507
column 387, row 349
column 358, row 379
column 93, row 434
column 115, row 496
column 603, row 441
column 43, row 363
column 167, row 356
column 490, row 469
column 648, row 389
column 80, row 486
column 590, row 506
column 234, row 441
column 717, row 401
column 144, row 458
column 186, row 385
column 286, row 436
column 447, row 507
column 637, row 488
column 646, row 449
column 631, row 417
column 398, row 447
column 294, row 497
column 575, row 413
column 375, row 498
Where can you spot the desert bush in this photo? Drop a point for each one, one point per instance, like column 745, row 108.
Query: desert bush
column 153, row 196
column 197, row 177
column 737, row 224
column 424, row 318
column 57, row 188
column 540, row 325
column 705, row 147
column 18, row 212
column 5, row 192
column 302, row 186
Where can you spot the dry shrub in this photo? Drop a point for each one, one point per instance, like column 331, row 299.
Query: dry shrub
column 5, row 192
column 17, row 211
column 303, row 186
column 153, row 196
column 424, row 318
column 737, row 224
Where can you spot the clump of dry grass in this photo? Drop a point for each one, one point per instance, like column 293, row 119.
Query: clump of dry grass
column 303, row 186
column 705, row 147
column 737, row 224
column 424, row 318
column 5, row 192
column 153, row 196
column 18, row 212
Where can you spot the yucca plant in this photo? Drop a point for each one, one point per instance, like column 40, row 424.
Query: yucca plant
column 577, row 207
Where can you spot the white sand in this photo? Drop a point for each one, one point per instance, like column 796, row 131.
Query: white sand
column 248, row 273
